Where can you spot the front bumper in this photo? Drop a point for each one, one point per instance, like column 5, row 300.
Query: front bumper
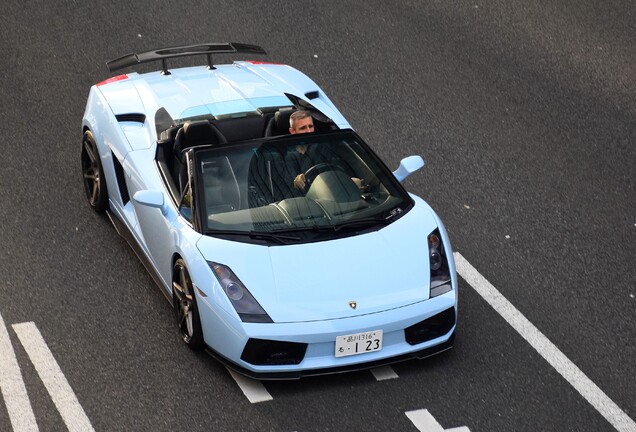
column 273, row 375
column 228, row 344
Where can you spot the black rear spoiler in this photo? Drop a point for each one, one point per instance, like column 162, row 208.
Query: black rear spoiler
column 182, row 51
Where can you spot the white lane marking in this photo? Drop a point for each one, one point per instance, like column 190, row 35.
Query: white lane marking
column 425, row 422
column 14, row 392
column 568, row 370
column 254, row 390
column 54, row 380
column 384, row 373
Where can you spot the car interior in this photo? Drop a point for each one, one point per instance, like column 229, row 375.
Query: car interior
column 250, row 186
column 174, row 138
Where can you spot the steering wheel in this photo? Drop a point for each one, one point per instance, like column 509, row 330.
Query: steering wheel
column 312, row 172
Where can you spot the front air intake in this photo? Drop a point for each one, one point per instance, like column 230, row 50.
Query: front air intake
column 264, row 352
column 431, row 328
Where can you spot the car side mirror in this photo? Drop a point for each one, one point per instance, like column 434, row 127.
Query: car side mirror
column 152, row 199
column 408, row 166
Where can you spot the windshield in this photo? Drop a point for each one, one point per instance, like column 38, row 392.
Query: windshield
column 296, row 188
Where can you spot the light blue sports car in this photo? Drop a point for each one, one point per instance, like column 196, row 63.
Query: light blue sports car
column 197, row 169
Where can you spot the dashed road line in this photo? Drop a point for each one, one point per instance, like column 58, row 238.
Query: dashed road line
column 54, row 380
column 384, row 373
column 425, row 422
column 23, row 420
column 254, row 390
column 568, row 370
column 12, row 386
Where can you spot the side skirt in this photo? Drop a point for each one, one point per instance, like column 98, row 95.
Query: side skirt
column 123, row 231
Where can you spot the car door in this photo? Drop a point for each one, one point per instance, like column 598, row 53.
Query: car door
column 158, row 227
column 161, row 220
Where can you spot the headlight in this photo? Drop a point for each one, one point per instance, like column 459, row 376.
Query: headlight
column 440, row 274
column 244, row 303
column 435, row 257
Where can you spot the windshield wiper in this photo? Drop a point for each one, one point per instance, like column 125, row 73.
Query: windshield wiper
column 303, row 229
column 361, row 223
column 259, row 235
column 356, row 223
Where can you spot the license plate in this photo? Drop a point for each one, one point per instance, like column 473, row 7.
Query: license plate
column 358, row 343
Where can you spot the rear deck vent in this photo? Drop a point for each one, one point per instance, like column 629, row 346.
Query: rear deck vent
column 131, row 117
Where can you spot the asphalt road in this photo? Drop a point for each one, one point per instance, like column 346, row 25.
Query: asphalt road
column 526, row 116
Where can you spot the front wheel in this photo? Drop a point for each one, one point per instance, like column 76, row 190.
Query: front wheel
column 93, row 172
column 185, row 304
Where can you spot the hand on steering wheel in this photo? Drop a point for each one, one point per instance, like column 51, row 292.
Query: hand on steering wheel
column 299, row 182
column 310, row 175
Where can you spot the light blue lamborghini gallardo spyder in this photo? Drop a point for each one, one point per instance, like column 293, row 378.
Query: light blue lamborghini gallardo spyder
column 196, row 168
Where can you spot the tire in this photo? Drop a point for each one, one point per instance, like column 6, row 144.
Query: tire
column 186, row 308
column 93, row 173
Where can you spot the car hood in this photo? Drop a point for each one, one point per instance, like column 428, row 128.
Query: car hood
column 377, row 271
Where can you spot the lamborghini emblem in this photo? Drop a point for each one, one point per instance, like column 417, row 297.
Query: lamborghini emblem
column 353, row 304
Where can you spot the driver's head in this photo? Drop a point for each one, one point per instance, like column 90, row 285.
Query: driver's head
column 301, row 122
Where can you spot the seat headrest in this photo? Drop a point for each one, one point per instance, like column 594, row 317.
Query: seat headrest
column 194, row 133
column 200, row 132
column 281, row 118
column 168, row 135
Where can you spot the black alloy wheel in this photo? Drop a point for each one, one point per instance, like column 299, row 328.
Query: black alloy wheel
column 93, row 172
column 185, row 304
